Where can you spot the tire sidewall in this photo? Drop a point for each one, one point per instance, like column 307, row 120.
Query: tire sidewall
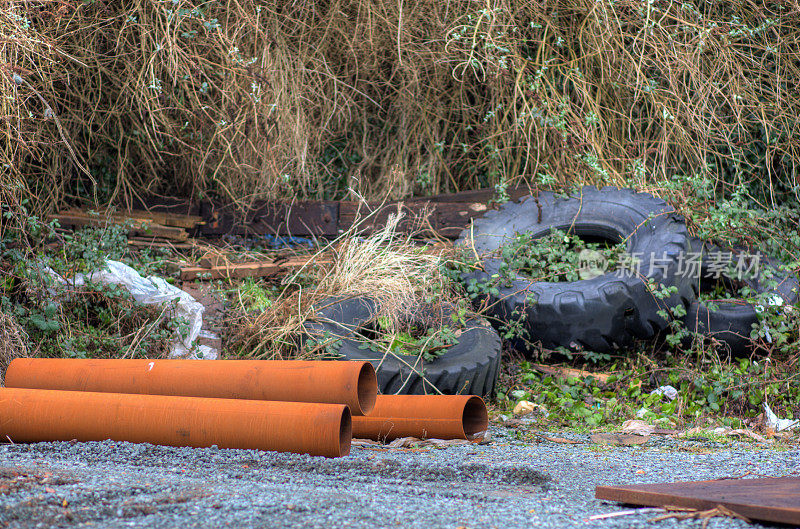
column 599, row 313
column 478, row 346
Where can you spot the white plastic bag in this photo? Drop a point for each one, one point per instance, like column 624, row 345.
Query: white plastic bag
column 668, row 391
column 777, row 424
column 153, row 290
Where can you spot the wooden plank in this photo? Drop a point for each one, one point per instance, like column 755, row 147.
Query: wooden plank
column 767, row 499
column 165, row 219
column 299, row 219
column 136, row 216
column 568, row 372
column 138, row 226
column 446, row 215
column 233, row 271
column 435, row 219
column 372, row 217
column 452, row 219
column 243, row 270
column 156, row 243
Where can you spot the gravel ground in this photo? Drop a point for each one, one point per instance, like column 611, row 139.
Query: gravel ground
column 506, row 483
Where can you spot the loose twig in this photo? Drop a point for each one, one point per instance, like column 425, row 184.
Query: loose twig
column 718, row 511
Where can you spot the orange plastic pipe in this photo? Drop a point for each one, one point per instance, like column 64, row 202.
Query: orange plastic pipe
column 351, row 383
column 34, row 415
column 423, row 416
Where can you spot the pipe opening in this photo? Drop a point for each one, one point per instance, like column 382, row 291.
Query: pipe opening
column 475, row 418
column 345, row 432
column 367, row 389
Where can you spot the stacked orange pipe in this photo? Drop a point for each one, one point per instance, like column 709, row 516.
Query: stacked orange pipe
column 423, row 416
column 351, row 383
column 30, row 415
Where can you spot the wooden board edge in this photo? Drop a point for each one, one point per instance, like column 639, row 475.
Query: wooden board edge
column 658, row 499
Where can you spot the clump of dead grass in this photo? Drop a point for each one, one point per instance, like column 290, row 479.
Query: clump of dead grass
column 386, row 267
column 278, row 99
column 13, row 342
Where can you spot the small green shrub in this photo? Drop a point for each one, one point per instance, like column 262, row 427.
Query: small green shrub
column 411, row 339
column 91, row 321
column 731, row 391
column 556, row 257
column 97, row 321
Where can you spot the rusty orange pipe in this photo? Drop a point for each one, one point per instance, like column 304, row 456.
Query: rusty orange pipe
column 351, row 383
column 34, row 415
column 423, row 416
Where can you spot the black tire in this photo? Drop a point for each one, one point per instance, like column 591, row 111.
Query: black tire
column 732, row 321
column 598, row 314
column 469, row 367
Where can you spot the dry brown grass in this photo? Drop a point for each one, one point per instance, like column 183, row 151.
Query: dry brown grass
column 13, row 342
column 280, row 99
column 386, row 267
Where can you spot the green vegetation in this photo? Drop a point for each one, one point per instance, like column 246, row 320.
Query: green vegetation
column 411, row 339
column 777, row 330
column 98, row 322
column 89, row 321
column 556, row 257
column 399, row 275
column 254, row 295
column 729, row 392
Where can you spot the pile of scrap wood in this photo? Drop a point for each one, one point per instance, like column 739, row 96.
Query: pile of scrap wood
column 173, row 223
column 153, row 229
column 145, row 228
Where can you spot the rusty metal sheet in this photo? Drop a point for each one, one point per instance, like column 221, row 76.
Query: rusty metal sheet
column 766, row 499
